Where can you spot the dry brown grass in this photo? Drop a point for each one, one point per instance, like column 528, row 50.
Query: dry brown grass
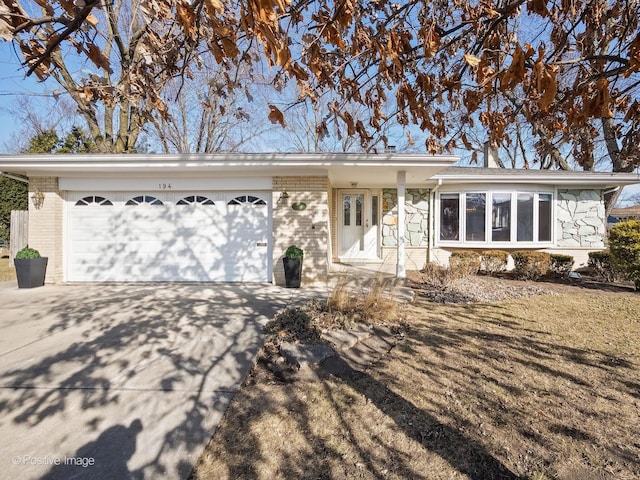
column 537, row 388
column 436, row 276
column 374, row 302
column 6, row 273
column 344, row 307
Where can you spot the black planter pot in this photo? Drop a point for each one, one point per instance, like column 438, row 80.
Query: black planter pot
column 292, row 272
column 30, row 272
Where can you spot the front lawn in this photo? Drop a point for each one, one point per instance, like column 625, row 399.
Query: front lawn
column 6, row 273
column 541, row 387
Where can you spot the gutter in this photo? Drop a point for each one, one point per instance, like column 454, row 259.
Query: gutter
column 430, row 220
column 231, row 159
column 14, row 177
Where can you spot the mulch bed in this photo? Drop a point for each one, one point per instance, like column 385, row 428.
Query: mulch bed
column 488, row 289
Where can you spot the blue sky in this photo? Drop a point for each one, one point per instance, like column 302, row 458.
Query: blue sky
column 13, row 83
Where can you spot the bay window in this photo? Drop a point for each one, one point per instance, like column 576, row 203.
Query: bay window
column 449, row 216
column 475, row 217
column 525, row 217
column 502, row 217
column 544, row 217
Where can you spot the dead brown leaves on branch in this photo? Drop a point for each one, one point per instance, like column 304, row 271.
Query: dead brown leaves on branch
column 554, row 65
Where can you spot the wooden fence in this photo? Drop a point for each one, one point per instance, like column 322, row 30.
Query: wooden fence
column 19, row 233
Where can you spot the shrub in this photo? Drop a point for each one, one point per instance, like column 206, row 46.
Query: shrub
column 561, row 265
column 293, row 324
column 294, row 252
column 602, row 267
column 530, row 265
column 495, row 261
column 27, row 253
column 437, row 276
column 624, row 244
column 464, row 263
column 368, row 303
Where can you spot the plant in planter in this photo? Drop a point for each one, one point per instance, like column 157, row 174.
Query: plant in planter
column 30, row 268
column 293, row 266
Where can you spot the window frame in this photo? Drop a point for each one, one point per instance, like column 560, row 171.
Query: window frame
column 146, row 200
column 460, row 217
column 92, row 200
column 489, row 192
column 194, row 200
column 245, row 199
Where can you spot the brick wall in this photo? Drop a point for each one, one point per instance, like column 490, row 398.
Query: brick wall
column 333, row 224
column 46, row 225
column 415, row 258
column 308, row 229
column 333, row 219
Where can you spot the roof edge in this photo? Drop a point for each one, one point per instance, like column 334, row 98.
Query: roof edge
column 233, row 158
column 559, row 177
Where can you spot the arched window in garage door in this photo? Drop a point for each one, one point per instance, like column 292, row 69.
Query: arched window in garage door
column 195, row 200
column 144, row 199
column 93, row 200
column 246, row 199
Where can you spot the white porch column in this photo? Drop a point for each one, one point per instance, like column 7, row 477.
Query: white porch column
column 401, row 268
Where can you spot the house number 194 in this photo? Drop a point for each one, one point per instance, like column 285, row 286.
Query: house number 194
column 164, row 186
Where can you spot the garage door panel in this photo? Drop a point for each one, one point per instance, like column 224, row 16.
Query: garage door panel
column 96, row 224
column 96, row 260
column 95, row 272
column 88, row 250
column 200, row 248
column 91, row 271
column 83, row 235
column 244, row 273
column 143, row 252
column 170, row 242
column 93, row 234
column 146, row 236
column 196, row 271
column 143, row 273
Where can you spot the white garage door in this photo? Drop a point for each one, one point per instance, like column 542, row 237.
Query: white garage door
column 177, row 236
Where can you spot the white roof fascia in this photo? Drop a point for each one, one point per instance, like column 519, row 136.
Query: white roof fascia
column 342, row 168
column 219, row 161
column 600, row 179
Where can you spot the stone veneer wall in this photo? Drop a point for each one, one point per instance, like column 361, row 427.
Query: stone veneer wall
column 416, row 217
column 580, row 217
column 45, row 225
column 308, row 229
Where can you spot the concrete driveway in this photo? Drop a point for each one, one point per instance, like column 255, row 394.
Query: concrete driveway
column 122, row 381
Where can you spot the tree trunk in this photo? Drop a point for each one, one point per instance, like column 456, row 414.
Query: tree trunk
column 618, row 163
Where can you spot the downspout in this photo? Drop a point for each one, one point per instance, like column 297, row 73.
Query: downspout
column 14, row 177
column 430, row 226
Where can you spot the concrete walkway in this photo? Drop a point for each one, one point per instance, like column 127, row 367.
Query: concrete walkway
column 122, row 381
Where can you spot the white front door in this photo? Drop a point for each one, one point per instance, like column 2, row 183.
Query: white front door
column 359, row 219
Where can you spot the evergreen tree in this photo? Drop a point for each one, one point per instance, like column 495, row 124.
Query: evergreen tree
column 13, row 196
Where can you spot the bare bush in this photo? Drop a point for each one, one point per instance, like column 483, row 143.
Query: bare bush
column 464, row 263
column 495, row 261
column 370, row 303
column 530, row 265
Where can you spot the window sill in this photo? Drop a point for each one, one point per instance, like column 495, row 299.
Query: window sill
column 495, row 245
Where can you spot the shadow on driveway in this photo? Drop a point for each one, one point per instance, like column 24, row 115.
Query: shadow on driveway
column 132, row 377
